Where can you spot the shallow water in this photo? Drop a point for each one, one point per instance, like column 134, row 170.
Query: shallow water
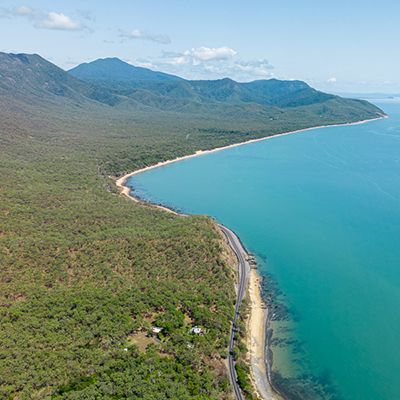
column 321, row 211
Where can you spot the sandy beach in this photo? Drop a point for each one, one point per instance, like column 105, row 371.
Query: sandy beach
column 256, row 334
column 120, row 182
column 258, row 317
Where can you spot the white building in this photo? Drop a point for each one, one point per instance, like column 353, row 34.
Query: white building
column 197, row 330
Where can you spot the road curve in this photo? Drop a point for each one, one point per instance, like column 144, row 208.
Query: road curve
column 244, row 271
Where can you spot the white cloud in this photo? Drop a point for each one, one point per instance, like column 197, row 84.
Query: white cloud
column 140, row 35
column 332, row 80
column 241, row 70
column 24, row 11
column 199, row 55
column 210, row 53
column 60, row 21
column 140, row 62
column 210, row 63
column 258, row 68
column 178, row 60
column 45, row 20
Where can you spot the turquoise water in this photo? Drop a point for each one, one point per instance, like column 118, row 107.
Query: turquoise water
column 321, row 211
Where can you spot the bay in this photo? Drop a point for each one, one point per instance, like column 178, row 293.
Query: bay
column 321, row 212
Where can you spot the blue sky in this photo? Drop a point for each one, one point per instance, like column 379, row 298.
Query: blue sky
column 336, row 45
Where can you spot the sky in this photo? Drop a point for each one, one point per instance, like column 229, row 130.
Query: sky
column 337, row 46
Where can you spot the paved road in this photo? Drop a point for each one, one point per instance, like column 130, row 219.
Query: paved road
column 244, row 270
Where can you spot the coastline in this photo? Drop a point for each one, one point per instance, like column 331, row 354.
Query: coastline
column 125, row 190
column 257, row 343
column 258, row 318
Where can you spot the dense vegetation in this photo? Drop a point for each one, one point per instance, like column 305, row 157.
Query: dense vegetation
column 84, row 269
column 242, row 364
column 86, row 273
column 265, row 99
column 113, row 69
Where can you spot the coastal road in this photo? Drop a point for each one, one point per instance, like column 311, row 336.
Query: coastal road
column 244, row 271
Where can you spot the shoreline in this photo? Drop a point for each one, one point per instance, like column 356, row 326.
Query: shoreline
column 120, row 182
column 260, row 365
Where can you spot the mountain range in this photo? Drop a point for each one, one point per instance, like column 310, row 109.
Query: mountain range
column 118, row 75
column 113, row 83
column 86, row 273
column 113, row 69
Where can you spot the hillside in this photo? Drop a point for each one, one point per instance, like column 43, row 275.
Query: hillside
column 170, row 93
column 115, row 70
column 87, row 273
column 33, row 80
column 31, row 77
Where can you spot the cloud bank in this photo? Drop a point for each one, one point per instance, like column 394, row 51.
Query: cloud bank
column 24, row 11
column 209, row 63
column 140, row 35
column 60, row 21
column 45, row 20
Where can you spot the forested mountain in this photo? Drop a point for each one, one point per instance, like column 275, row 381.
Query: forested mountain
column 168, row 92
column 115, row 70
column 111, row 82
column 86, row 273
column 31, row 78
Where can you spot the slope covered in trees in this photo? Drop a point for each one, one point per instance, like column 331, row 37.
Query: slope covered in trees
column 168, row 92
column 86, row 273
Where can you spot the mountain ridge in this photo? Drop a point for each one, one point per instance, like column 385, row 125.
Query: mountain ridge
column 179, row 94
column 30, row 75
column 32, row 79
column 113, row 68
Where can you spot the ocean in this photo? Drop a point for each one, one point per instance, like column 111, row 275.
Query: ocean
column 321, row 212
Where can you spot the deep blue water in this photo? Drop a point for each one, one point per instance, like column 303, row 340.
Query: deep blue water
column 321, row 211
